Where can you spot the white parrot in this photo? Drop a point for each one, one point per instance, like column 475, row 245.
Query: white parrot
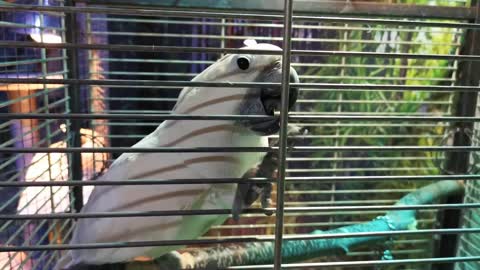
column 185, row 133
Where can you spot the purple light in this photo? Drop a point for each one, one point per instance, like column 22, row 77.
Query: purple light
column 42, row 27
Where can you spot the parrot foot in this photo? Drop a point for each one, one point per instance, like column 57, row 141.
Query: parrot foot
column 248, row 193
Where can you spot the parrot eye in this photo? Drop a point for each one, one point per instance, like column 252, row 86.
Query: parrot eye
column 243, row 63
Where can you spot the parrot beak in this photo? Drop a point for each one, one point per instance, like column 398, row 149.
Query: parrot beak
column 271, row 100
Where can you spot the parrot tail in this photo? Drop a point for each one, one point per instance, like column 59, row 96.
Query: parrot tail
column 65, row 262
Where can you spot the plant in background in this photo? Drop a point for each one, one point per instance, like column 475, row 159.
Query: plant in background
column 382, row 71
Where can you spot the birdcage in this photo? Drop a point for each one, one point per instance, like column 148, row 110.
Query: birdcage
column 377, row 172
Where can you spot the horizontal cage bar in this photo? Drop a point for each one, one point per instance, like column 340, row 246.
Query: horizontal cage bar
column 466, row 177
column 228, row 211
column 237, row 149
column 179, row 49
column 272, row 16
column 245, row 239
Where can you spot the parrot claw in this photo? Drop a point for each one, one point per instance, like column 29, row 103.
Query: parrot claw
column 247, row 193
column 237, row 206
column 236, row 214
column 266, row 204
column 267, row 195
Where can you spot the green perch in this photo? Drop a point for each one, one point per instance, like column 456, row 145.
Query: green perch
column 298, row 250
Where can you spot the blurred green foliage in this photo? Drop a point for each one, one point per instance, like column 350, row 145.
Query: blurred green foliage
column 383, row 71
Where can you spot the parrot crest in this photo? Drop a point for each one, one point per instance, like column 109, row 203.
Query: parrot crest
column 250, row 42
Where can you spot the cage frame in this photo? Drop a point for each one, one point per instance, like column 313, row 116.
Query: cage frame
column 464, row 111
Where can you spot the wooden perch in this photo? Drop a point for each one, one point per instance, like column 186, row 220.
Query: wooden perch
column 297, row 250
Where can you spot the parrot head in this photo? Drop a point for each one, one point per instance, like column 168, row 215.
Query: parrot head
column 243, row 101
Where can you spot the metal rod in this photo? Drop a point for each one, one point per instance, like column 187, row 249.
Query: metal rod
column 295, row 149
column 186, row 181
column 135, row 48
column 139, row 82
column 246, row 239
column 228, row 211
column 312, row 10
column 344, row 117
column 303, row 86
column 179, row 49
column 143, row 12
column 263, row 38
column 31, row 61
column 75, row 158
column 282, row 151
column 399, row 22
column 275, row 25
column 128, row 214
column 347, row 8
column 353, row 136
column 86, row 116
column 136, row 150
column 142, row 182
column 379, row 263
column 23, row 25
column 309, row 225
column 334, row 65
column 292, row 117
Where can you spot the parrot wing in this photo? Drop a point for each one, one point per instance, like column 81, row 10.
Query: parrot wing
column 148, row 198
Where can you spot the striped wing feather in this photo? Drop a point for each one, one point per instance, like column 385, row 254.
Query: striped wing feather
column 148, row 198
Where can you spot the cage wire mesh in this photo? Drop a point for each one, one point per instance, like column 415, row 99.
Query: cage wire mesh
column 390, row 91
column 31, row 98
column 468, row 244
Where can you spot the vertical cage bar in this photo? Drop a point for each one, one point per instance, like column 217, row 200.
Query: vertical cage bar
column 458, row 162
column 74, row 140
column 282, row 151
